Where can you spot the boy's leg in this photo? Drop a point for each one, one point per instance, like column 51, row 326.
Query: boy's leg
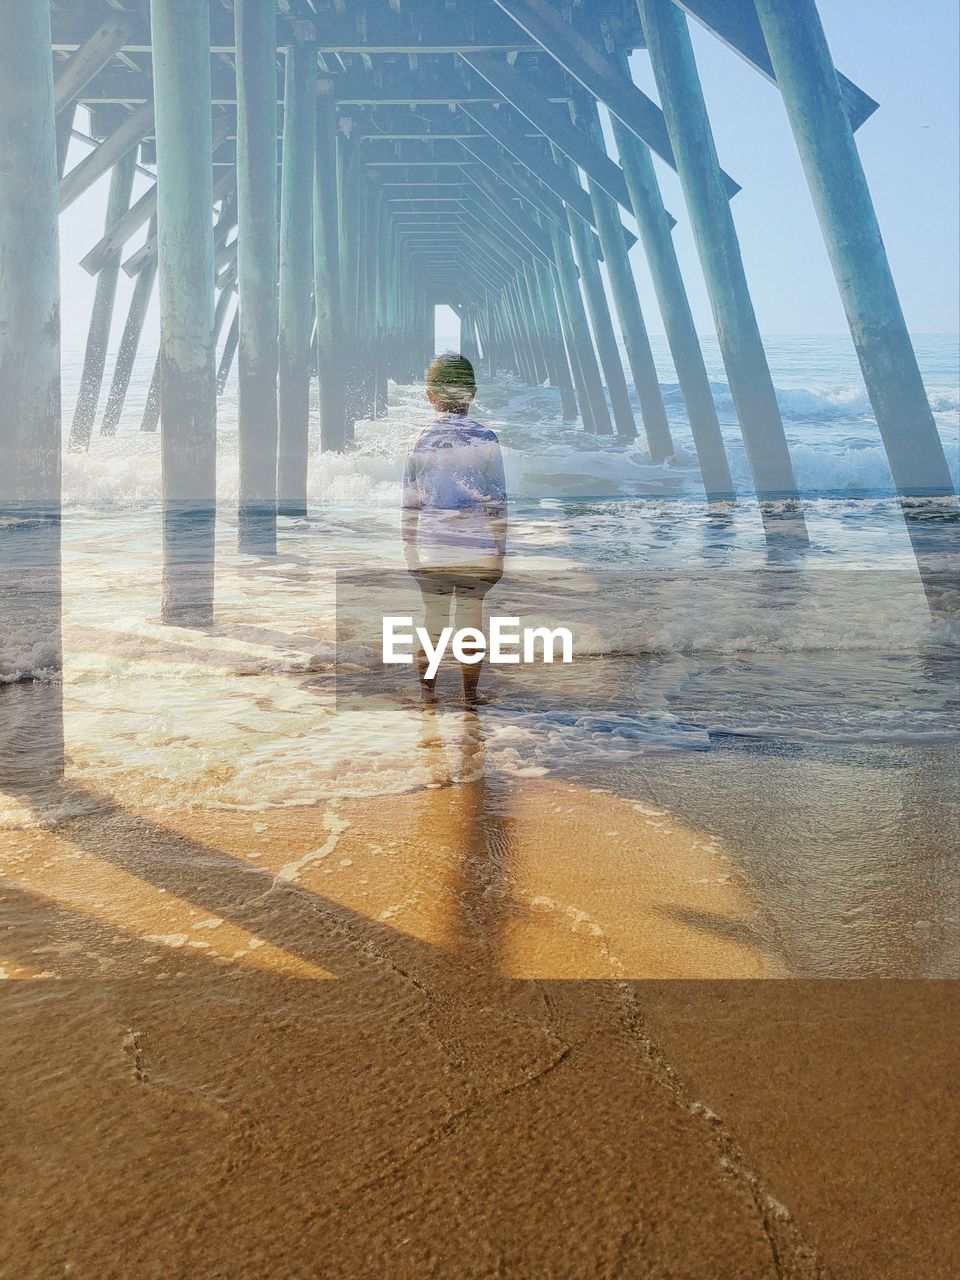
column 469, row 613
column 437, row 595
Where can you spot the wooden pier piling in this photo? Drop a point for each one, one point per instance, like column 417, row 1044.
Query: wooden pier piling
column 707, row 198
column 327, row 288
column 255, row 22
column 296, row 292
column 29, row 264
column 187, row 383
column 130, row 342
column 98, row 334
column 821, row 125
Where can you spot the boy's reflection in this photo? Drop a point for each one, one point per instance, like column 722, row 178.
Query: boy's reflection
column 468, row 813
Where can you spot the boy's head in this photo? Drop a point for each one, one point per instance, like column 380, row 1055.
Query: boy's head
column 451, row 384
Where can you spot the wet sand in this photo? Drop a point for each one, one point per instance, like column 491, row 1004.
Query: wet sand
column 430, row 1036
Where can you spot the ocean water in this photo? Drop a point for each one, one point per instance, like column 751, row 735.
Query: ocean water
column 797, row 701
column 833, row 437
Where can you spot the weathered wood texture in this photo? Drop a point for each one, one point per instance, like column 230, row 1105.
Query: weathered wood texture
column 748, row 373
column 327, row 290
column 29, row 261
column 187, row 384
column 296, row 293
column 257, row 273
column 98, row 334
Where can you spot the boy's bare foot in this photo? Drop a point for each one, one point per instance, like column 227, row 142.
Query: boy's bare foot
column 428, row 688
column 470, row 676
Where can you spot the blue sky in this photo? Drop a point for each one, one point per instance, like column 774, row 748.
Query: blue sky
column 905, row 56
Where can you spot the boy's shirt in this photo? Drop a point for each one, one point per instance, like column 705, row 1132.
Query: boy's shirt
column 454, row 478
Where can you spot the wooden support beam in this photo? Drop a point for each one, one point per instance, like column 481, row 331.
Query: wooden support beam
column 151, row 408
column 87, row 61
column 296, row 292
column 599, row 76
column 224, row 187
column 257, row 273
column 349, row 179
column 368, row 299
column 229, row 352
column 581, row 345
column 511, row 256
column 336, row 31
column 123, row 139
column 473, row 252
column 500, row 196
column 626, row 300
column 384, row 274
column 129, row 345
column 528, row 331
column 539, row 197
column 536, row 158
column 546, row 368
column 570, row 345
column 224, row 298
column 819, row 120
column 118, row 233
column 64, row 134
column 31, row 729
column 412, row 131
column 653, row 222
column 512, row 225
column 748, row 373
column 554, row 335
column 526, row 366
column 421, row 90
column 489, row 341
column 140, row 212
column 30, row 258
column 98, row 334
column 603, row 332
column 327, row 290
column 735, row 22
column 187, row 384
column 530, row 102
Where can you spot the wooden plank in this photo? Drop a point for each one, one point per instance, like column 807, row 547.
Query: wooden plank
column 599, row 76
column 104, row 157
column 140, row 212
column 87, row 61
column 735, row 22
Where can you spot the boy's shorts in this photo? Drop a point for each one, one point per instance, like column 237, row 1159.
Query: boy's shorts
column 463, row 582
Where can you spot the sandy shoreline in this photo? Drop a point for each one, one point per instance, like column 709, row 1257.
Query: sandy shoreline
column 422, row 1037
column 529, row 878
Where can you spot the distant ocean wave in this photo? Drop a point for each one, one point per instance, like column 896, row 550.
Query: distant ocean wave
column 834, row 445
column 841, row 402
column 834, row 441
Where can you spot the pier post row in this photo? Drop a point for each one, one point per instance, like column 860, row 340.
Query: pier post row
column 323, row 174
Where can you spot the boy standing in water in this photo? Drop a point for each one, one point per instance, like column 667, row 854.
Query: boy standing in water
column 454, row 517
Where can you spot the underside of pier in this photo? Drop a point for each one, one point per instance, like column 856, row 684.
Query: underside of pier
column 341, row 167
